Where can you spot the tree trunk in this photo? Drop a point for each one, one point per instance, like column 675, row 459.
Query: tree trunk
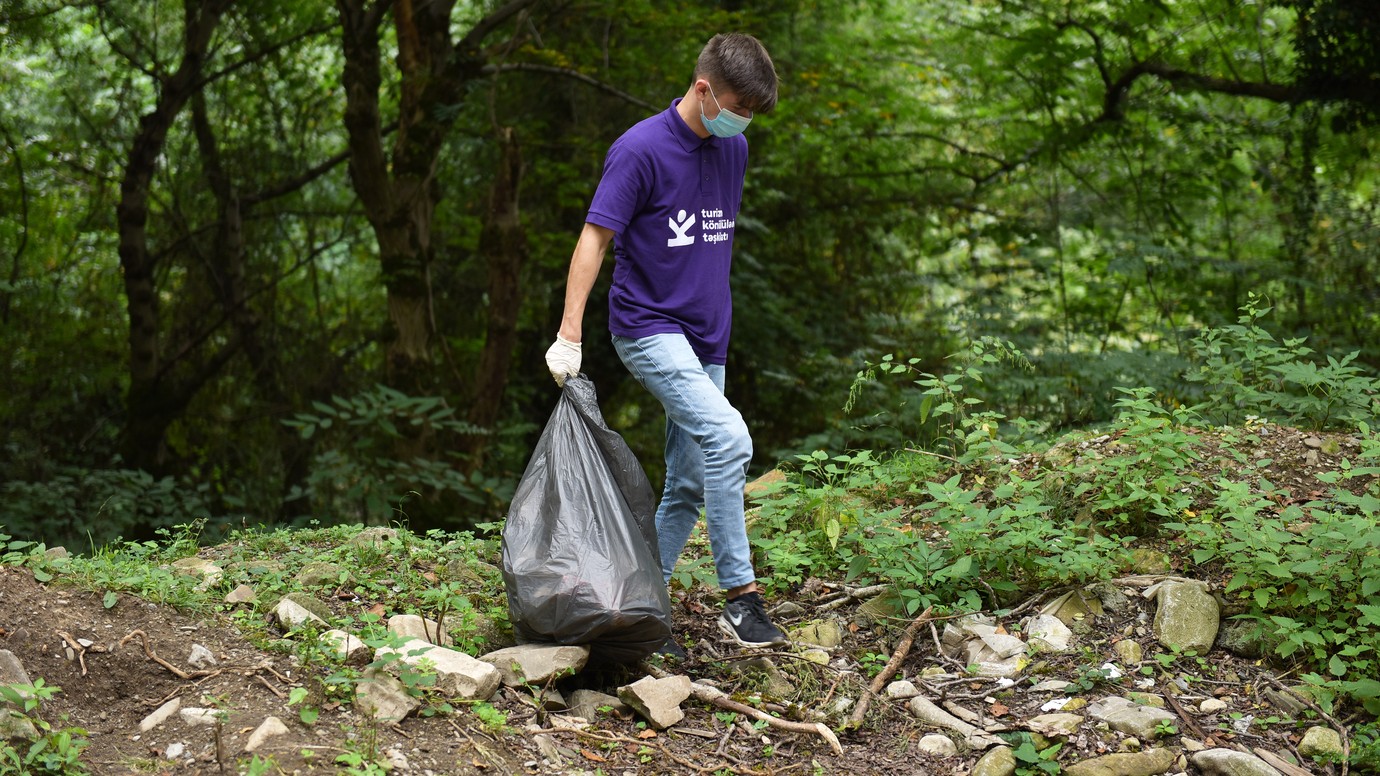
column 503, row 243
column 154, row 399
column 398, row 191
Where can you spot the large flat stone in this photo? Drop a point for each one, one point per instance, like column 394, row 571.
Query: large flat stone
column 457, row 675
column 537, row 663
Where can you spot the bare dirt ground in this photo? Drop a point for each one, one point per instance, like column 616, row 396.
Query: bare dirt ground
column 135, row 659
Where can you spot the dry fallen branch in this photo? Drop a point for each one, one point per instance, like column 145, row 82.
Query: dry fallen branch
column 892, row 666
column 1337, row 726
column 852, row 594
column 76, row 647
column 160, row 661
column 716, row 697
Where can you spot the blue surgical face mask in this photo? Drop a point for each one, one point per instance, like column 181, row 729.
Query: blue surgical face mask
column 727, row 123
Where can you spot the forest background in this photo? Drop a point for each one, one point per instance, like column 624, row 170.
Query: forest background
column 266, row 263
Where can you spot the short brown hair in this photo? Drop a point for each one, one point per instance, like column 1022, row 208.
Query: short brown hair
column 740, row 63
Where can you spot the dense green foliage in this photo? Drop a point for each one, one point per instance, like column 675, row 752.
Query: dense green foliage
column 265, row 266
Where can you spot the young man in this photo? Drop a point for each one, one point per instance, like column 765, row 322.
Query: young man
column 670, row 193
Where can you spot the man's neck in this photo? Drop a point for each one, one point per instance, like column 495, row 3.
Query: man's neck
column 689, row 110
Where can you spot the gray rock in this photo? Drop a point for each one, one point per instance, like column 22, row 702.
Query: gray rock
column 378, row 536
column 293, row 615
column 536, row 663
column 657, row 700
column 762, row 668
column 786, row 610
column 901, row 690
column 270, row 727
column 380, row 696
column 1126, row 717
column 1073, row 606
column 15, row 727
column 1148, row 763
column 209, row 572
column 1212, row 706
column 56, row 553
column 12, row 670
column 1048, row 633
column 1051, row 685
column 937, row 745
column 201, row 657
column 1187, row 617
column 1001, row 761
column 587, row 703
column 414, row 626
column 196, row 716
column 1128, row 651
column 474, row 573
column 926, row 711
column 346, row 647
column 1242, row 638
column 1290, row 702
column 160, row 715
column 1147, row 561
column 457, row 675
column 243, row 594
column 1319, row 741
column 827, row 634
column 1229, row 762
column 319, row 573
column 1058, row 725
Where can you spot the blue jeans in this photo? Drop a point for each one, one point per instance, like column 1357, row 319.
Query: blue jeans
column 707, row 453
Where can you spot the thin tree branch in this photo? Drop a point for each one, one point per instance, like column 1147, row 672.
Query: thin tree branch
column 566, row 72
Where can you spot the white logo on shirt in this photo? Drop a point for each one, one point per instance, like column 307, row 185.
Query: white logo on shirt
column 680, row 225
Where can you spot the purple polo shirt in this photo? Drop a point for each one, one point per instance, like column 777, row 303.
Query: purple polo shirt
column 671, row 198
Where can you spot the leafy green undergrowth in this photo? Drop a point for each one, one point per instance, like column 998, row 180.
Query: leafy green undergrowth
column 981, row 521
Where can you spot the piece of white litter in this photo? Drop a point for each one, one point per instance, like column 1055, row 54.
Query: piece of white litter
column 1005, row 682
column 1145, row 684
column 1055, row 705
column 1112, row 671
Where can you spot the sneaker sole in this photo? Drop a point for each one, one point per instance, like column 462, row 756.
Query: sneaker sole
column 733, row 636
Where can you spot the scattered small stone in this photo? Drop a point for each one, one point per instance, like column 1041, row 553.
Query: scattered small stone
column 160, row 715
column 657, row 700
column 536, row 663
column 318, row 573
column 209, row 572
column 1187, row 618
column 1130, row 718
column 1055, row 725
column 786, row 610
column 457, row 675
column 384, row 698
column 414, row 626
column 1229, row 762
column 201, row 657
column 1128, row 651
column 196, row 716
column 937, row 745
column 1319, row 741
column 999, row 761
column 374, row 537
column 1212, row 706
column 826, row 634
column 587, row 703
column 270, row 727
column 1146, row 763
column 901, row 690
column 1051, row 685
column 244, row 594
column 1048, row 633
column 294, row 615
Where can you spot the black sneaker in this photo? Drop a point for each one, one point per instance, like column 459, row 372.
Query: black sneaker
column 671, row 651
column 745, row 621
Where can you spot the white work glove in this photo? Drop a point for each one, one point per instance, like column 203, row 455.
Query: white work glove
column 563, row 359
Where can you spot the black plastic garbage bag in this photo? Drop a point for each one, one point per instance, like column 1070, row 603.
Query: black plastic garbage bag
column 580, row 559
